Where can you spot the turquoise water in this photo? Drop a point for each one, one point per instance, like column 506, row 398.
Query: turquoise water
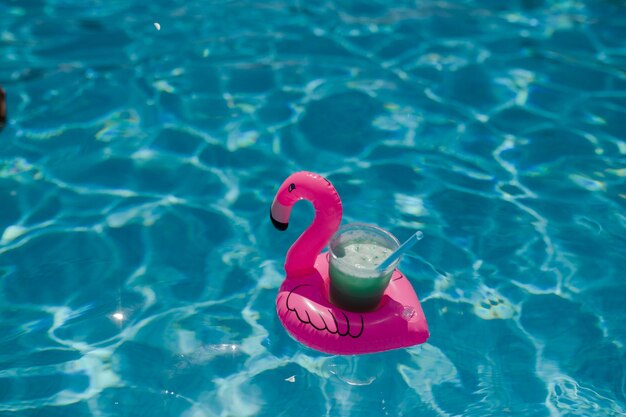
column 138, row 265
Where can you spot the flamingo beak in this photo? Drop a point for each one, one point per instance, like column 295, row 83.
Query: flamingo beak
column 3, row 109
column 279, row 225
column 279, row 214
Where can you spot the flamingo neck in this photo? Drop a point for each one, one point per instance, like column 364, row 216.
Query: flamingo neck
column 300, row 260
column 301, row 257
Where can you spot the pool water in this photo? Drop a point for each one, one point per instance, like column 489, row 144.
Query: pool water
column 144, row 144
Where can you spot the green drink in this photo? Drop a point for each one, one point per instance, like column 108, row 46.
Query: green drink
column 355, row 252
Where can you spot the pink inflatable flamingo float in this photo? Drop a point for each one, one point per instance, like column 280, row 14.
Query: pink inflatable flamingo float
column 303, row 304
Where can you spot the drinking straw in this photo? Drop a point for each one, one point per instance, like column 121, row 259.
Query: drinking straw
column 401, row 250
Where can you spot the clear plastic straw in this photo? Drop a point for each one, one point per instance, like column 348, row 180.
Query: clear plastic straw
column 401, row 250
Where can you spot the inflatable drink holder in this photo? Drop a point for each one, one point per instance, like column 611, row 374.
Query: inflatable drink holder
column 303, row 302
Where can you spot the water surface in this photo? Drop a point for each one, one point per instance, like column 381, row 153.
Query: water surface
column 138, row 266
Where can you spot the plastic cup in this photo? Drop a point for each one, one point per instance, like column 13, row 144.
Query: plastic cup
column 355, row 252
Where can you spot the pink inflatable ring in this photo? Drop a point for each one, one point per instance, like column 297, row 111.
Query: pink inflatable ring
column 303, row 304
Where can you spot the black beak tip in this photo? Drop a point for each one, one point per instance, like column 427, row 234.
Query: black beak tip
column 279, row 225
column 3, row 108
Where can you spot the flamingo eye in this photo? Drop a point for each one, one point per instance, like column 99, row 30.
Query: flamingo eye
column 291, row 187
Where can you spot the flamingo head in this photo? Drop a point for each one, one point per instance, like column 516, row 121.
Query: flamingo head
column 302, row 186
